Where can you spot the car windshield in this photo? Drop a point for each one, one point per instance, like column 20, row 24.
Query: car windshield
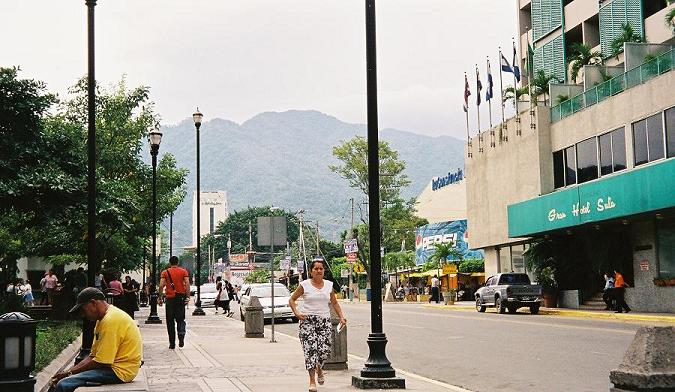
column 514, row 279
column 262, row 292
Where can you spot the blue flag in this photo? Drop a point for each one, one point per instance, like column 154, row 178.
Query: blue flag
column 506, row 67
column 516, row 68
column 479, row 87
column 488, row 92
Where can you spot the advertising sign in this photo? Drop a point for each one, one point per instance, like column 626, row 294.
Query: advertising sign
column 344, row 273
column 286, row 263
column 352, row 257
column 443, row 232
column 351, row 246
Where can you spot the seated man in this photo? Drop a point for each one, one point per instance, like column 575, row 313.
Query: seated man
column 116, row 351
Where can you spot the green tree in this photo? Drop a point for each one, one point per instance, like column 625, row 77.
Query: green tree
column 398, row 225
column 628, row 34
column 353, row 167
column 670, row 19
column 582, row 55
column 510, row 93
column 445, row 250
column 259, row 275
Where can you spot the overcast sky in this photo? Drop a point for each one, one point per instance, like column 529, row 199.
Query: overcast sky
column 237, row 58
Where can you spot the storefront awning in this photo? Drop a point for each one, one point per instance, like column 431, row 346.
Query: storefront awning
column 645, row 189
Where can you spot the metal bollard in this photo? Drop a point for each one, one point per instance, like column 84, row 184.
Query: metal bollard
column 17, row 342
column 254, row 322
column 338, row 355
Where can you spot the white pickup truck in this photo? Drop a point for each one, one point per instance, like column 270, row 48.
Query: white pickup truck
column 509, row 291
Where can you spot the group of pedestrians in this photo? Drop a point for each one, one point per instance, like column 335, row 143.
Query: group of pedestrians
column 21, row 289
column 614, row 291
column 226, row 293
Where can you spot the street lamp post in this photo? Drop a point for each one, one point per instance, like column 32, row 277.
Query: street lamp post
column 92, row 265
column 154, row 137
column 197, row 117
column 377, row 372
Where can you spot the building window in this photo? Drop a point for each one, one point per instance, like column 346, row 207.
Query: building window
column 648, row 139
column 612, row 147
column 570, row 166
column 212, row 220
column 670, row 131
column 587, row 160
column 558, row 169
column 665, row 237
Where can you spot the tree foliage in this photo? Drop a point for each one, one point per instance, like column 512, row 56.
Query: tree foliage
column 540, row 83
column 582, row 55
column 628, row 34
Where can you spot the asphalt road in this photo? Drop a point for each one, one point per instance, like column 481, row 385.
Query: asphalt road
column 493, row 352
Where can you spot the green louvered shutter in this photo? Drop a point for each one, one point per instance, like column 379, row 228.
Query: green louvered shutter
column 551, row 57
column 547, row 15
column 613, row 15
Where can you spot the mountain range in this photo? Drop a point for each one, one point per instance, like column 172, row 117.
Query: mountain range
column 282, row 159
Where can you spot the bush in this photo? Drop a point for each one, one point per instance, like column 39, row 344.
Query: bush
column 52, row 338
column 469, row 266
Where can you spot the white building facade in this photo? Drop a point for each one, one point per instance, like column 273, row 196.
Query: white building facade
column 213, row 210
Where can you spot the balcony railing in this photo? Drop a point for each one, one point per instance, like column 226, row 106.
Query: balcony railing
column 638, row 75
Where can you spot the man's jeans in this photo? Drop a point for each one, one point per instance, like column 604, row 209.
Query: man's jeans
column 88, row 378
column 175, row 317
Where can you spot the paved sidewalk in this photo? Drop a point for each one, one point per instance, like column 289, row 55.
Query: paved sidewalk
column 217, row 358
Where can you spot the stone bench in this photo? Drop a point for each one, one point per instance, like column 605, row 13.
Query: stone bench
column 140, row 384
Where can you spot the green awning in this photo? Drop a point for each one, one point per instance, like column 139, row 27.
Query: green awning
column 645, row 189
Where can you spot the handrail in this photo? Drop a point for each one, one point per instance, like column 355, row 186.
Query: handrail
column 631, row 78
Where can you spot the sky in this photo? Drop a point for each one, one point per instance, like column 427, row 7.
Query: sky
column 237, row 58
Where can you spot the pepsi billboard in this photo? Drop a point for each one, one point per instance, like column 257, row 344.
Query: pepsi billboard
column 443, row 232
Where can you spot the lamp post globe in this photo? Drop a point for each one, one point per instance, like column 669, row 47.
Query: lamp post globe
column 197, row 118
column 154, row 139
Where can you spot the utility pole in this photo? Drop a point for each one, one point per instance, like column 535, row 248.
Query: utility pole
column 318, row 244
column 351, row 265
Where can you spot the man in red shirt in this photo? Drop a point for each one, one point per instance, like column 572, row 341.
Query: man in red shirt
column 177, row 283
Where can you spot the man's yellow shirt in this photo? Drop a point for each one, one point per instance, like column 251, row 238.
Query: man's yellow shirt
column 117, row 342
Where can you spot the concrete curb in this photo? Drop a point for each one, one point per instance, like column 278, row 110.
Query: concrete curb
column 576, row 313
column 58, row 364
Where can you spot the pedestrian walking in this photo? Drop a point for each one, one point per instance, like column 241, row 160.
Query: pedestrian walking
column 219, row 287
column 176, row 281
column 237, row 288
column 130, row 301
column 228, row 293
column 435, row 282
column 314, row 329
column 27, row 292
column 116, row 291
column 50, row 282
column 619, row 291
column 99, row 281
column 607, row 293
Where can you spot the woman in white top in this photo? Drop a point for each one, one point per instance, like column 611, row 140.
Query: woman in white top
column 315, row 327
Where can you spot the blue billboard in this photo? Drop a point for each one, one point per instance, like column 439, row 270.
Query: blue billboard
column 443, row 232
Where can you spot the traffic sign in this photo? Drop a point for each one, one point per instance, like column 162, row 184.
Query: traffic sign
column 352, row 257
column 351, row 246
column 344, row 273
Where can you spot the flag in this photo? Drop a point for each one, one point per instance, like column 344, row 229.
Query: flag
column 488, row 92
column 479, row 86
column 516, row 68
column 530, row 60
column 467, row 93
column 506, row 67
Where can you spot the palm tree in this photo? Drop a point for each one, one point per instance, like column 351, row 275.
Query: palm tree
column 582, row 55
column 511, row 93
column 442, row 252
column 540, row 83
column 628, row 34
column 670, row 19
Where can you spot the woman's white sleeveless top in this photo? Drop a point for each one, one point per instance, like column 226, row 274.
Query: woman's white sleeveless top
column 316, row 300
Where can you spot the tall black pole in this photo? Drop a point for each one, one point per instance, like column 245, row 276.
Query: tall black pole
column 377, row 371
column 92, row 265
column 198, row 304
column 153, row 317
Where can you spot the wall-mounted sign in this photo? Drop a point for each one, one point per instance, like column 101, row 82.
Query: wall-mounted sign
column 443, row 232
column 451, row 178
column 351, row 246
column 644, row 265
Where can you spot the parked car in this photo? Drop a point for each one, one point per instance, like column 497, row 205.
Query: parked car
column 207, row 293
column 509, row 291
column 264, row 293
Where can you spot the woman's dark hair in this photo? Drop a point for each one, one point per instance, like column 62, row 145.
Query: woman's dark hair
column 218, row 278
column 311, row 264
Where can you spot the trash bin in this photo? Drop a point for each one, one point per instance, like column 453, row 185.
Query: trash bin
column 369, row 294
column 17, row 342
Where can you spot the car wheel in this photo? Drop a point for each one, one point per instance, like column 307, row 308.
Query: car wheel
column 499, row 305
column 479, row 305
column 512, row 309
column 534, row 309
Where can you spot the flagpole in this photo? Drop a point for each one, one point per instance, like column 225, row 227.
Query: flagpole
column 515, row 87
column 489, row 100
column 501, row 99
column 479, row 88
column 466, row 112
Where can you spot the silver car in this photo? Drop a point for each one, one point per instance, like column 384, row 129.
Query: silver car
column 264, row 293
column 207, row 293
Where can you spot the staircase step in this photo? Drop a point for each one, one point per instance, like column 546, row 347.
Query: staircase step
column 592, row 307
